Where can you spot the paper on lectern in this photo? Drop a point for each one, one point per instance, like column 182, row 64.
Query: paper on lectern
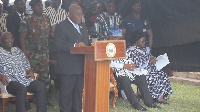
column 162, row 61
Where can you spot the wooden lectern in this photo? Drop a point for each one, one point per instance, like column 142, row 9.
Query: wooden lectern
column 97, row 72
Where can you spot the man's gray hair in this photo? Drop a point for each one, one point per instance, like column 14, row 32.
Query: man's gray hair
column 3, row 33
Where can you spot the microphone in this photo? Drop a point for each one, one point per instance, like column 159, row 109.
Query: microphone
column 97, row 33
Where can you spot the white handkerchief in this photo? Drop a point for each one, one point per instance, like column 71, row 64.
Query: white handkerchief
column 3, row 88
column 162, row 61
column 139, row 71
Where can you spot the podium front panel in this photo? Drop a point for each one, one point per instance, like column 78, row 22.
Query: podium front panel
column 96, row 85
column 109, row 50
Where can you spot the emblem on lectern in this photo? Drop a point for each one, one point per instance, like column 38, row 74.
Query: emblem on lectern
column 110, row 50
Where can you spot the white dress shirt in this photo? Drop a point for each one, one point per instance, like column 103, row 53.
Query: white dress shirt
column 75, row 25
column 116, row 65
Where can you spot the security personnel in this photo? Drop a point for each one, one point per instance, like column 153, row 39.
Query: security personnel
column 34, row 33
column 135, row 22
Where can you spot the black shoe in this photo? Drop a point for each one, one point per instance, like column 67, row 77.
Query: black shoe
column 154, row 106
column 161, row 102
column 27, row 105
column 140, row 108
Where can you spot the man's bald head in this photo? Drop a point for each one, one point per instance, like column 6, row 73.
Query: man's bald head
column 75, row 13
column 7, row 40
column 5, row 34
column 74, row 7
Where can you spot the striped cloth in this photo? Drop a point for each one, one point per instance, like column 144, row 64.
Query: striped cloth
column 14, row 65
column 55, row 16
column 104, row 22
column 3, row 17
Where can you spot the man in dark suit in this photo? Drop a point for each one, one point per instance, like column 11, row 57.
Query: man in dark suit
column 7, row 8
column 14, row 20
column 71, row 33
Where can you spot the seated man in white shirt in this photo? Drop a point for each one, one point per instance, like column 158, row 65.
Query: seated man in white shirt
column 126, row 79
column 16, row 74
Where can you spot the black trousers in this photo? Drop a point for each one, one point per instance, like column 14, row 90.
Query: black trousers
column 54, row 76
column 141, row 82
column 20, row 92
column 71, row 89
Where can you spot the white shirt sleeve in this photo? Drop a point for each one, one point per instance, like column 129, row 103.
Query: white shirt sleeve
column 116, row 65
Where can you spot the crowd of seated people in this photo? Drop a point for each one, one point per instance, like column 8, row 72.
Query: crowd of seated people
column 34, row 34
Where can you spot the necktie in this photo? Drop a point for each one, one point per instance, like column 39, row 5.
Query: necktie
column 78, row 29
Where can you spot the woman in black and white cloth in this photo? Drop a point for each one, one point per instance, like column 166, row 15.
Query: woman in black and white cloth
column 158, row 81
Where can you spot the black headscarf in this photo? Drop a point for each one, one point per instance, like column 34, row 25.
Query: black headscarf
column 135, row 36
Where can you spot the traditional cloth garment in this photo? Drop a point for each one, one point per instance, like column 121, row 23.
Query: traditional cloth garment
column 104, row 22
column 158, row 81
column 55, row 16
column 118, row 65
column 3, row 17
column 38, row 29
column 14, row 65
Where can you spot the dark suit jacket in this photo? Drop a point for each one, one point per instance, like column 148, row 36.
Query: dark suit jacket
column 13, row 24
column 66, row 36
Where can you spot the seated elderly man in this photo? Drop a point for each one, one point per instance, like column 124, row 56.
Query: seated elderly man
column 140, row 81
column 126, row 75
column 16, row 74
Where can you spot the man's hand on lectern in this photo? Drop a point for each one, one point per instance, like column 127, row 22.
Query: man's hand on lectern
column 80, row 44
